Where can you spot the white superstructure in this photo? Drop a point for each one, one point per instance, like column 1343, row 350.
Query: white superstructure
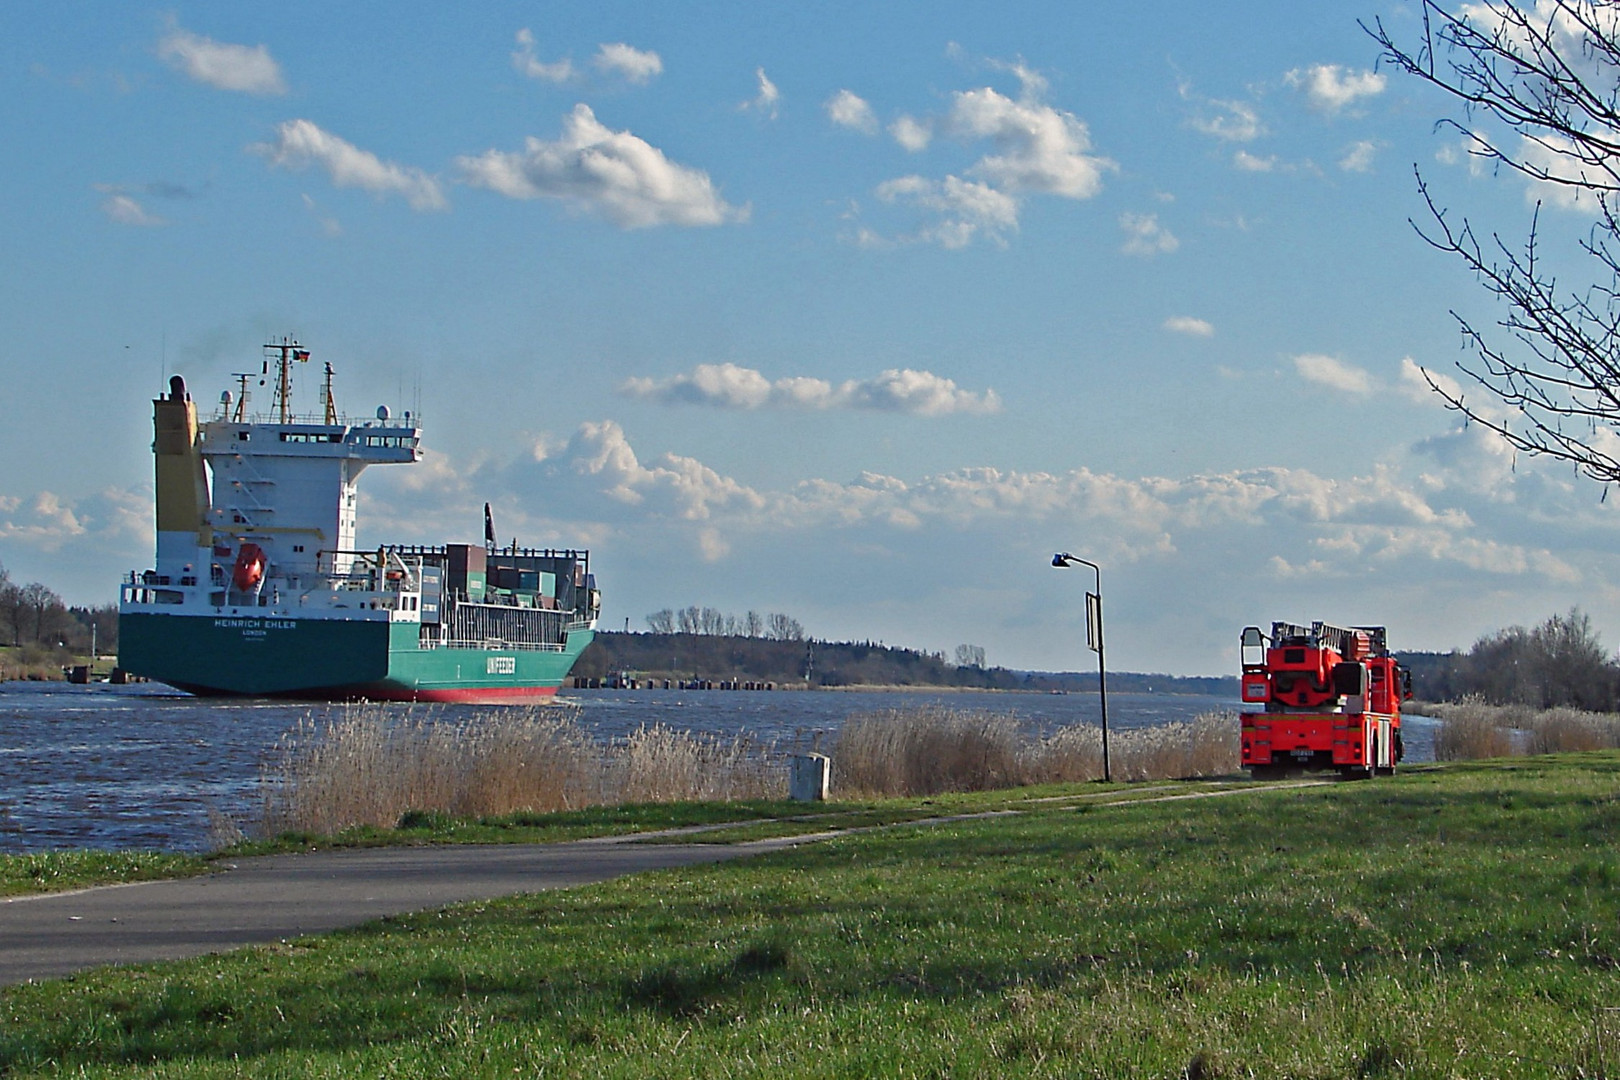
column 258, row 510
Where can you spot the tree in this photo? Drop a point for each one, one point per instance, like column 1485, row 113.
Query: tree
column 43, row 612
column 970, row 656
column 661, row 622
column 779, row 627
column 10, row 610
column 1538, row 89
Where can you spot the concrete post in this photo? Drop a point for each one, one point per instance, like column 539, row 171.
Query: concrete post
column 809, row 781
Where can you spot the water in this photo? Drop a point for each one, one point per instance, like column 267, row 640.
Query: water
column 130, row 767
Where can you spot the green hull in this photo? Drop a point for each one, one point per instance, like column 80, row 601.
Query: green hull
column 332, row 660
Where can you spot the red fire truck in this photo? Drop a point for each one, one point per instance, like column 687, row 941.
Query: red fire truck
column 1332, row 698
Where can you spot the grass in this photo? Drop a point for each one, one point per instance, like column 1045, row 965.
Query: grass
column 57, row 871
column 1459, row 921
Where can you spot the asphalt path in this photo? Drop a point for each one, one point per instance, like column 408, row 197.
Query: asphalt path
column 276, row 897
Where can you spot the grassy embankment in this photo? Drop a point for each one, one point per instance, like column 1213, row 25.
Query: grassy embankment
column 38, row 663
column 1452, row 921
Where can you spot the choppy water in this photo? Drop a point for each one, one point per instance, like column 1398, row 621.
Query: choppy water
column 129, row 767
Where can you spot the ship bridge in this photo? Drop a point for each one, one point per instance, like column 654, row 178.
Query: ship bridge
column 291, row 486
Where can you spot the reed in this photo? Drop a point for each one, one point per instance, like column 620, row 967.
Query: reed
column 927, row 750
column 373, row 767
column 370, row 767
column 932, row 749
column 1563, row 730
column 1473, row 729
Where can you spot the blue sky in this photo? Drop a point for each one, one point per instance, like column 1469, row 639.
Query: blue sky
column 853, row 314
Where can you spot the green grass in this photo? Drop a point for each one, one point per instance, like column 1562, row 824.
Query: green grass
column 62, row 870
column 56, row 871
column 1458, row 922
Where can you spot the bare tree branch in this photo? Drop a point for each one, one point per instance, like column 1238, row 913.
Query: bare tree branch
column 1546, row 73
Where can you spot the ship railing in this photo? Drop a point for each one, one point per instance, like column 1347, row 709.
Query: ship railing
column 487, row 644
column 318, row 419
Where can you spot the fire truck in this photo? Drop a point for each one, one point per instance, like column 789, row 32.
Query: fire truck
column 1332, row 700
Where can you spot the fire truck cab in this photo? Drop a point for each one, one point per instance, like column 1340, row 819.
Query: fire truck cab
column 1331, row 696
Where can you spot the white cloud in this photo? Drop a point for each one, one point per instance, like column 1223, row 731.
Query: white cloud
column 1443, row 552
column 1248, row 162
column 126, row 211
column 1186, row 324
column 300, row 143
column 1415, row 384
column 1334, row 374
column 1571, row 184
column 848, row 109
column 525, row 61
column 1358, row 156
column 612, row 173
column 681, row 485
column 768, row 97
column 966, row 208
column 895, row 390
column 1330, row 87
column 112, row 520
column 244, row 68
column 1037, row 150
column 1351, row 526
column 911, row 133
column 633, row 65
column 1042, row 149
column 1145, row 236
column 1231, row 121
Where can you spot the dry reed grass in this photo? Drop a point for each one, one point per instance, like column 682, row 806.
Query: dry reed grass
column 1564, row 729
column 369, row 767
column 930, row 749
column 372, row 767
column 1471, row 729
column 927, row 750
column 659, row 764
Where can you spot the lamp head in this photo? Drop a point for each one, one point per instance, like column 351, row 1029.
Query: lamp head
column 1060, row 560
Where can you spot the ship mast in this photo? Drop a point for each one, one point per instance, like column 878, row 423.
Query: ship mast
column 241, row 395
column 288, row 351
column 326, row 396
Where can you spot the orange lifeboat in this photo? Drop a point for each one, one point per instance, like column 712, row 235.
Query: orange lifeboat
column 250, row 563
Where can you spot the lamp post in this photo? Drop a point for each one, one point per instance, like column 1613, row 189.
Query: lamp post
column 1094, row 642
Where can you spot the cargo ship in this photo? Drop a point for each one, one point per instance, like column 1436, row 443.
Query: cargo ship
column 258, row 588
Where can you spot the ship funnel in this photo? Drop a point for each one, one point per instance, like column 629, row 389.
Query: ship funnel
column 182, row 485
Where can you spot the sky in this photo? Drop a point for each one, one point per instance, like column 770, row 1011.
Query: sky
column 853, row 312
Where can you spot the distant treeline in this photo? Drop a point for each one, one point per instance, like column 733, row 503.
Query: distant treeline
column 712, row 622
column 842, row 663
column 34, row 618
column 1560, row 662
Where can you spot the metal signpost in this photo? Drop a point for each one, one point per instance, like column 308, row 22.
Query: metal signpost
column 1094, row 642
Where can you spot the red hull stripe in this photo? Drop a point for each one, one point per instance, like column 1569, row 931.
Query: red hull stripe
column 462, row 695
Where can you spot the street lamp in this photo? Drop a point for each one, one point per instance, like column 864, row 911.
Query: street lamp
column 1094, row 642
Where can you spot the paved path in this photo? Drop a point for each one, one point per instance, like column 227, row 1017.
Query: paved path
column 282, row 896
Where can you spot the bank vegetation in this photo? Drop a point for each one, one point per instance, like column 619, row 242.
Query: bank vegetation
column 373, row 768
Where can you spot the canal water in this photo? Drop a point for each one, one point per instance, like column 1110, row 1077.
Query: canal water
column 133, row 767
